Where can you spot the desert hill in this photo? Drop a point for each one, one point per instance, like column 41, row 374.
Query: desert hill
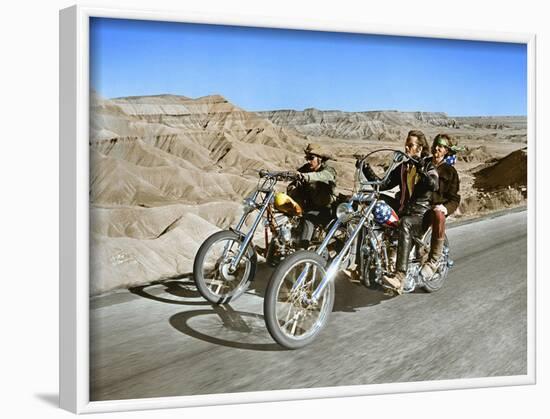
column 166, row 171
column 394, row 125
column 374, row 125
column 508, row 172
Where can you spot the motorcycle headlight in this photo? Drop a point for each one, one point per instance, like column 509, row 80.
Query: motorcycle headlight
column 344, row 212
column 248, row 204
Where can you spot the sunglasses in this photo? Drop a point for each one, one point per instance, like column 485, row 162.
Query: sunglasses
column 310, row 157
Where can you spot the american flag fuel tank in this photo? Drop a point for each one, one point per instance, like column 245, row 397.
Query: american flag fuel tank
column 384, row 214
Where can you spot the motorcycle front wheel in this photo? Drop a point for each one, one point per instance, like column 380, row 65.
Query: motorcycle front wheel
column 215, row 279
column 292, row 319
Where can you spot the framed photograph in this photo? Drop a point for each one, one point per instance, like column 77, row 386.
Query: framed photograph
column 260, row 210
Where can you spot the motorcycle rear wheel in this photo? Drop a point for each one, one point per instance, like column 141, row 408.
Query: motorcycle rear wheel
column 211, row 271
column 291, row 318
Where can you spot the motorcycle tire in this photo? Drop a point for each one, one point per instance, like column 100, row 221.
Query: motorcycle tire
column 291, row 321
column 211, row 270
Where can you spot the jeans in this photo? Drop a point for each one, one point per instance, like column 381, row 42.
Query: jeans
column 312, row 218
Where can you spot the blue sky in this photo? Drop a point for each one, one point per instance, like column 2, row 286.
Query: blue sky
column 267, row 69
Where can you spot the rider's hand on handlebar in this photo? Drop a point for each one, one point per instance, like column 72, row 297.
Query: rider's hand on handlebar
column 300, row 177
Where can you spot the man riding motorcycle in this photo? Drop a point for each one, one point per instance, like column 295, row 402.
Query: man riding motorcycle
column 416, row 182
column 314, row 191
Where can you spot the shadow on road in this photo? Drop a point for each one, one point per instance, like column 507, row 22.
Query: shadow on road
column 351, row 296
column 183, row 289
column 224, row 326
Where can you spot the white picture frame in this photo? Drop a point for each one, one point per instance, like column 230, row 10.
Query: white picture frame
column 74, row 212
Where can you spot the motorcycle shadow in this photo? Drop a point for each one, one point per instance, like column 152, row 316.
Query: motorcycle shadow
column 217, row 324
column 182, row 288
column 351, row 295
column 224, row 326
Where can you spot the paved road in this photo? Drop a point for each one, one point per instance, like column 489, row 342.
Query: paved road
column 164, row 340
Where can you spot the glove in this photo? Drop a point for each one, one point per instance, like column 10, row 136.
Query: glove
column 300, row 177
column 441, row 208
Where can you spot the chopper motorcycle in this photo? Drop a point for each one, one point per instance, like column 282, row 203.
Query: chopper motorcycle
column 226, row 262
column 300, row 294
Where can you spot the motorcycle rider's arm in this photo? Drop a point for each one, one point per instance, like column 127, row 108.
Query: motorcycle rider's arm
column 326, row 175
column 428, row 175
column 369, row 173
column 392, row 181
column 451, row 195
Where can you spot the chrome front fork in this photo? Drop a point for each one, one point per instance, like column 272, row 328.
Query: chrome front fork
column 335, row 265
column 319, row 251
column 242, row 248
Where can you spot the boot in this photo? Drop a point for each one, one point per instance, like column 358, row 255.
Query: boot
column 396, row 282
column 431, row 266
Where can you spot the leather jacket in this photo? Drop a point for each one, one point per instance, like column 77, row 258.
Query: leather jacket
column 449, row 185
column 425, row 182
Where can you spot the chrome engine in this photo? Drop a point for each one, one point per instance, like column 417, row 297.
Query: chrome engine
column 284, row 228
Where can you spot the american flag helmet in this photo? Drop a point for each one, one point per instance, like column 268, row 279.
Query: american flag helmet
column 384, row 214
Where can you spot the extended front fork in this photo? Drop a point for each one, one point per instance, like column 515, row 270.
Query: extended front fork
column 248, row 237
column 334, row 266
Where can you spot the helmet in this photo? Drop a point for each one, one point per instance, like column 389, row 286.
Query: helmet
column 384, row 214
column 286, row 204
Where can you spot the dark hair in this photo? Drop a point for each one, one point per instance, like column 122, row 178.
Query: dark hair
column 421, row 141
column 447, row 139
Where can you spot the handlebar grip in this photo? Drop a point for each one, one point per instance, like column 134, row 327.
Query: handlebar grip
column 288, row 176
column 277, row 175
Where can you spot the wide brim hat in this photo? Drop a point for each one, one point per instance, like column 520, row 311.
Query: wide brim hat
column 317, row 150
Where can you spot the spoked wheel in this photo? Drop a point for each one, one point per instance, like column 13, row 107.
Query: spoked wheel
column 292, row 318
column 215, row 279
column 439, row 277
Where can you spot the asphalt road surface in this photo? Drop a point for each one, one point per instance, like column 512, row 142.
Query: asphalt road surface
column 165, row 340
